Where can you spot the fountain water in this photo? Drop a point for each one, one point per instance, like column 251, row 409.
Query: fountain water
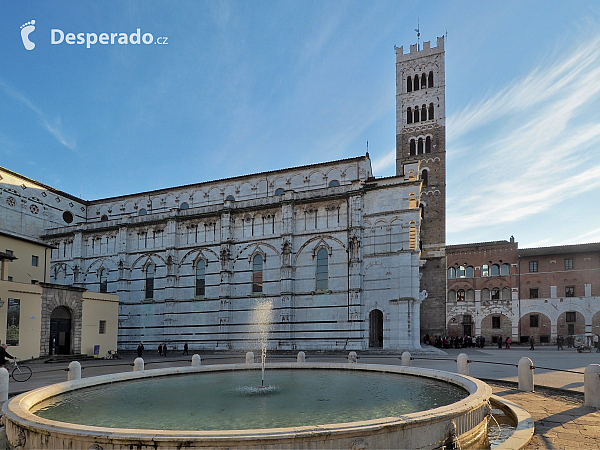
column 262, row 320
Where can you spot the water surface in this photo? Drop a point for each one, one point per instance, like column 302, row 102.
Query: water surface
column 232, row 400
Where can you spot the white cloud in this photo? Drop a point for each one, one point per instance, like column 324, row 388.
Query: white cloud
column 384, row 163
column 52, row 126
column 543, row 151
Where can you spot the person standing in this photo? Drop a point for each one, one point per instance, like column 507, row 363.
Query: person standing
column 159, row 349
column 508, row 341
column 499, row 341
column 185, row 349
column 531, row 343
column 164, row 349
column 597, row 342
column 559, row 342
column 140, row 350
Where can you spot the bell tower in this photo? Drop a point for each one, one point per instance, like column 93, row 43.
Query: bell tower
column 421, row 137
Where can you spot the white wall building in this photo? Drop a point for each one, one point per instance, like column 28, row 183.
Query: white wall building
column 333, row 248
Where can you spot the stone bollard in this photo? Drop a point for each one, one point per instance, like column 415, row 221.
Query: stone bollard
column 406, row 359
column 591, row 388
column 3, row 385
column 301, row 358
column 196, row 361
column 462, row 364
column 74, row 372
column 526, row 374
column 138, row 364
column 352, row 357
column 249, row 357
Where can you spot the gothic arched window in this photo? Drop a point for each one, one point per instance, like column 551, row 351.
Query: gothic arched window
column 416, row 83
column 103, row 281
column 425, row 177
column 409, row 84
column 423, row 81
column 420, row 146
column 409, row 115
column 430, row 111
column 505, row 269
column 430, row 78
column 428, row 144
column 416, row 114
column 257, row 274
column 423, row 113
column 200, row 278
column 495, row 270
column 322, row 270
column 451, row 272
column 413, row 149
column 150, row 282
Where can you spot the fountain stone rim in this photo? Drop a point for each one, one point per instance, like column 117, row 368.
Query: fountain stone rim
column 17, row 410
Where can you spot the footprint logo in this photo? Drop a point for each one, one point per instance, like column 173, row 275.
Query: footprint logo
column 26, row 30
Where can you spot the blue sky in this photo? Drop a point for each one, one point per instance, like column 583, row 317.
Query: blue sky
column 248, row 86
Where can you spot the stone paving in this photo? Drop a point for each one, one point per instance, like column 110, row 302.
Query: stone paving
column 561, row 419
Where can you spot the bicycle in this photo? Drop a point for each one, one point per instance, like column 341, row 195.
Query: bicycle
column 20, row 373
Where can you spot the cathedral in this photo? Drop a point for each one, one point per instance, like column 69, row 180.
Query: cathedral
column 348, row 261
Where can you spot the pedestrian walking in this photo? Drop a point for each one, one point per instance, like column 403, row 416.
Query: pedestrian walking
column 499, row 341
column 531, row 343
column 597, row 342
column 185, row 349
column 160, row 349
column 508, row 341
column 140, row 350
column 559, row 342
column 165, row 349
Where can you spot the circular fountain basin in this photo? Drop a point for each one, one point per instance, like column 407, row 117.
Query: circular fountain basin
column 355, row 424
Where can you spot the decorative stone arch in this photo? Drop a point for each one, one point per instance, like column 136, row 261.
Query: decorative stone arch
column 257, row 251
column 147, row 259
column 322, row 244
column 70, row 298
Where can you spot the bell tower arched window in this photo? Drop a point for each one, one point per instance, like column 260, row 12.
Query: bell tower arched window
column 409, row 115
column 431, row 111
column 413, row 150
column 416, row 114
column 416, row 83
column 428, row 144
column 425, row 177
column 420, row 146
column 423, row 113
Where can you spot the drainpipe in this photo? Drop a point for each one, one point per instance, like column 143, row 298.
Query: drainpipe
column 45, row 262
column 519, row 297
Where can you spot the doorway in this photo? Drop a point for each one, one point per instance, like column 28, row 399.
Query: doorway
column 376, row 329
column 60, row 331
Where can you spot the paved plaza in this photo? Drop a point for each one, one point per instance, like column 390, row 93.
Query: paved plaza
column 561, row 419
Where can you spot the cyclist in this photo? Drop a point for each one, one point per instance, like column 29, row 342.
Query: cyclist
column 4, row 355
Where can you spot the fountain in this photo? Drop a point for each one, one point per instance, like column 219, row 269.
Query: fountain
column 349, row 405
column 262, row 320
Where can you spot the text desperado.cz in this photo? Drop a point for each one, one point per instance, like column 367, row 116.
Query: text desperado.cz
column 58, row 36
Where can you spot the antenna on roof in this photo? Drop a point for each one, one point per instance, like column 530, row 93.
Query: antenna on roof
column 418, row 30
column 446, row 36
